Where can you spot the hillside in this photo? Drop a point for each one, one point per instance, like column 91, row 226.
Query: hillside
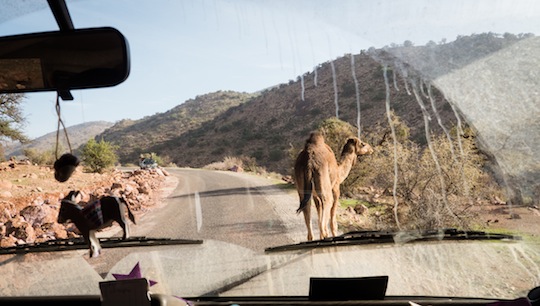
column 78, row 135
column 269, row 124
column 140, row 136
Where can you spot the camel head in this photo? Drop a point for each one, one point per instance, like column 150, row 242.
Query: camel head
column 356, row 146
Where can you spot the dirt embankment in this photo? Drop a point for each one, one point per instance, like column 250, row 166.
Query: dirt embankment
column 30, row 198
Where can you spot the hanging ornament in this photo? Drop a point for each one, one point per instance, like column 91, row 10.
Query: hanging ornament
column 65, row 166
column 67, row 163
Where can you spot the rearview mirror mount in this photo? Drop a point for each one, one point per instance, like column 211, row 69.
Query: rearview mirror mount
column 62, row 61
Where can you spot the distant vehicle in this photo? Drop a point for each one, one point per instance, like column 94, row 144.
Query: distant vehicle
column 148, row 163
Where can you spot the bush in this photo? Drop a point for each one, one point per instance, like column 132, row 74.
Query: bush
column 435, row 185
column 40, row 158
column 336, row 132
column 98, row 156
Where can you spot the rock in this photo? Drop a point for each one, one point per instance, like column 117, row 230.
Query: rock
column 5, row 194
column 8, row 241
column 56, row 230
column 515, row 216
column 498, row 201
column 24, row 232
column 6, row 213
column 14, row 223
column 361, row 209
column 33, row 176
column 3, row 229
column 366, row 190
column 145, row 188
column 38, row 214
column 5, row 185
column 158, row 171
column 287, row 179
column 236, row 168
column 38, row 232
column 117, row 186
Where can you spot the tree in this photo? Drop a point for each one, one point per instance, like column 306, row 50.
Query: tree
column 11, row 119
column 98, row 156
column 336, row 132
column 408, row 44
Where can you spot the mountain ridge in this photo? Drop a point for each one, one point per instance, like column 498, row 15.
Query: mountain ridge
column 78, row 135
column 268, row 134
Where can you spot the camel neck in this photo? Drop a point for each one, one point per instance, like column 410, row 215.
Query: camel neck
column 345, row 164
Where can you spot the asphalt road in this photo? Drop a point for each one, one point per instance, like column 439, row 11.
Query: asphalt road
column 237, row 208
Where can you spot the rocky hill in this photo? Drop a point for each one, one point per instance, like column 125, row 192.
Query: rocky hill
column 270, row 124
column 78, row 135
column 136, row 137
column 267, row 125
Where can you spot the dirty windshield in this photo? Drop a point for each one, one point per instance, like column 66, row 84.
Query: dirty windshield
column 377, row 138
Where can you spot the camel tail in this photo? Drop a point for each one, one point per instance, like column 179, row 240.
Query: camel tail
column 130, row 215
column 305, row 201
column 307, row 193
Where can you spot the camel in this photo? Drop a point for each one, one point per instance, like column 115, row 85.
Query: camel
column 317, row 173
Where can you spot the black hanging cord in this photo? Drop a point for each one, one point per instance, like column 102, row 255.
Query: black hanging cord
column 60, row 122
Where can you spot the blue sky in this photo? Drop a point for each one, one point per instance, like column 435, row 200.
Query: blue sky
column 181, row 49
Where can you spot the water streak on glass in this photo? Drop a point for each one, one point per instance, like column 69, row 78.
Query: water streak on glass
column 396, row 87
column 394, row 138
column 427, row 119
column 334, row 77
column 357, row 90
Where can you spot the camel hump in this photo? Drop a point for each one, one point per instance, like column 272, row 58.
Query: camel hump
column 315, row 137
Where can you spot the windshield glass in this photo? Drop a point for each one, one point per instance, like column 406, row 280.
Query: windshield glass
column 245, row 125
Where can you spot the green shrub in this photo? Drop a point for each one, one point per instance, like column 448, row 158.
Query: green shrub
column 98, row 156
column 40, row 158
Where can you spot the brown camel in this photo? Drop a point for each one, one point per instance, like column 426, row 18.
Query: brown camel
column 317, row 173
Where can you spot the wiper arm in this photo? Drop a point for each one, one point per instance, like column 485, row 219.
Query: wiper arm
column 79, row 244
column 379, row 237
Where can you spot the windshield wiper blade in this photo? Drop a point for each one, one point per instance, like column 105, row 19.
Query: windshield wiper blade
column 79, row 244
column 380, row 237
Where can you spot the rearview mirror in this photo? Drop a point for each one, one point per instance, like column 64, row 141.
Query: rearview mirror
column 60, row 61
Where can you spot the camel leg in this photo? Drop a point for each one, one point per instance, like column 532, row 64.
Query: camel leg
column 319, row 207
column 326, row 210
column 320, row 215
column 335, row 204
column 307, row 219
column 324, row 191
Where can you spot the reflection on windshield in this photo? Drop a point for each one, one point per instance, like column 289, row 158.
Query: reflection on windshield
column 452, row 125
